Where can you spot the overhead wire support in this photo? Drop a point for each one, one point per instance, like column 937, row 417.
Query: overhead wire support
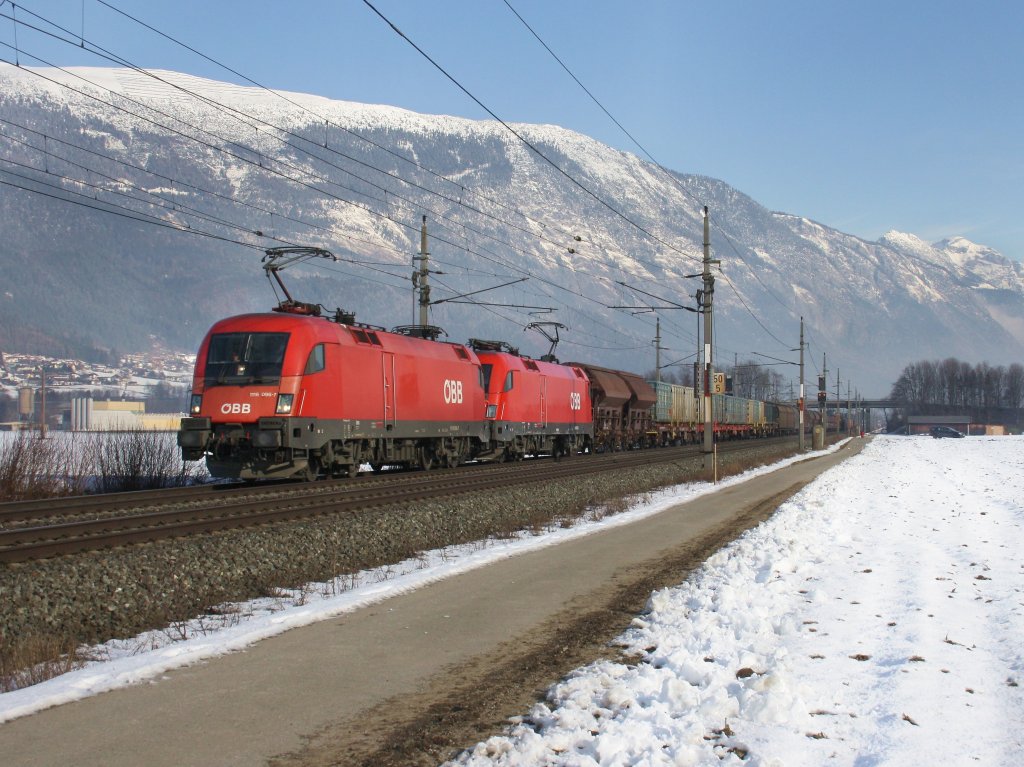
column 669, row 175
column 709, row 371
column 455, row 299
column 673, row 304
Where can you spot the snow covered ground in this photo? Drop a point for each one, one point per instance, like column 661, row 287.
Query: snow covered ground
column 877, row 618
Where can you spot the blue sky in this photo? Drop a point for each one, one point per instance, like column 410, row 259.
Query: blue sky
column 865, row 116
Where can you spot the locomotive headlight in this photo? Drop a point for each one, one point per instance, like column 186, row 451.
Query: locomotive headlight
column 196, row 405
column 284, row 403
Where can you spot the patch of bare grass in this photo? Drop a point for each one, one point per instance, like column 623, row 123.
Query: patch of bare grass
column 35, row 659
column 138, row 460
column 31, row 468
column 103, row 462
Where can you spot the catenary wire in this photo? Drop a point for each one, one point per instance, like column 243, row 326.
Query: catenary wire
column 527, row 142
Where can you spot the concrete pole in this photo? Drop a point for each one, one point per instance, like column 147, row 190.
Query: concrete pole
column 824, row 388
column 42, row 403
column 849, row 409
column 657, row 350
column 709, row 371
column 838, row 395
column 424, row 271
column 801, row 415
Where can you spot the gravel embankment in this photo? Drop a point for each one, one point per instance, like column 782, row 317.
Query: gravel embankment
column 102, row 595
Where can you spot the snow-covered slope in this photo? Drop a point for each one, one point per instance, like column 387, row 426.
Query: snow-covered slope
column 357, row 178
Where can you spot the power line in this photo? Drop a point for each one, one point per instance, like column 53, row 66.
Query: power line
column 262, row 156
column 237, row 114
column 526, row 141
column 594, row 98
column 133, row 215
column 173, row 206
column 255, row 164
column 327, row 122
column 274, row 172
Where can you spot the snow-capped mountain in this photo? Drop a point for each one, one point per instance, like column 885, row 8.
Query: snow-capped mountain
column 244, row 169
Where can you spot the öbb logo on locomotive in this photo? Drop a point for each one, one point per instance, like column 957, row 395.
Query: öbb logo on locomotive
column 452, row 392
column 236, row 408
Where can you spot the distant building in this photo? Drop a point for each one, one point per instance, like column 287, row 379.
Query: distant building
column 88, row 414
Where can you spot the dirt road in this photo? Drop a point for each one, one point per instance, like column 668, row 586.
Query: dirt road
column 413, row 679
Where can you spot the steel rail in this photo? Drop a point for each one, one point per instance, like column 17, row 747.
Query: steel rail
column 310, row 500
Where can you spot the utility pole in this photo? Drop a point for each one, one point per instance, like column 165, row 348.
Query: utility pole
column 822, row 384
column 849, row 409
column 707, row 308
column 838, row 395
column 419, row 277
column 657, row 349
column 801, row 415
column 42, row 403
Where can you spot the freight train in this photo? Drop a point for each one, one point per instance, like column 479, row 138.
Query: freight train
column 291, row 393
column 295, row 394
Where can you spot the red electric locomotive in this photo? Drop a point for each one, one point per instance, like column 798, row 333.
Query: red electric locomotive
column 280, row 395
column 534, row 406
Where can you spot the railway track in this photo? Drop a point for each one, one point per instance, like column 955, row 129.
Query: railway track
column 59, row 527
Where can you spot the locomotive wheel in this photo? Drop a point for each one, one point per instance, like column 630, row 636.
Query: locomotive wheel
column 454, row 449
column 352, row 469
column 426, row 456
column 312, row 472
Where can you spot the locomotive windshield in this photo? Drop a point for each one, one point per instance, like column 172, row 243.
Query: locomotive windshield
column 241, row 359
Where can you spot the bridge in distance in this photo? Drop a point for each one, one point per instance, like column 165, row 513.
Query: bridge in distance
column 853, row 404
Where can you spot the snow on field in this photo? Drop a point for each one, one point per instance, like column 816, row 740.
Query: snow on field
column 877, row 618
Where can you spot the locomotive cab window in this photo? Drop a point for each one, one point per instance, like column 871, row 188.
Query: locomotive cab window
column 485, row 376
column 315, row 363
column 242, row 359
column 509, row 381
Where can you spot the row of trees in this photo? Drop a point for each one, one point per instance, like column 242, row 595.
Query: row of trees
column 987, row 393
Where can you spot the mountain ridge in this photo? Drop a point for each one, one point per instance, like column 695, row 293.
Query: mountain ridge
column 872, row 307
